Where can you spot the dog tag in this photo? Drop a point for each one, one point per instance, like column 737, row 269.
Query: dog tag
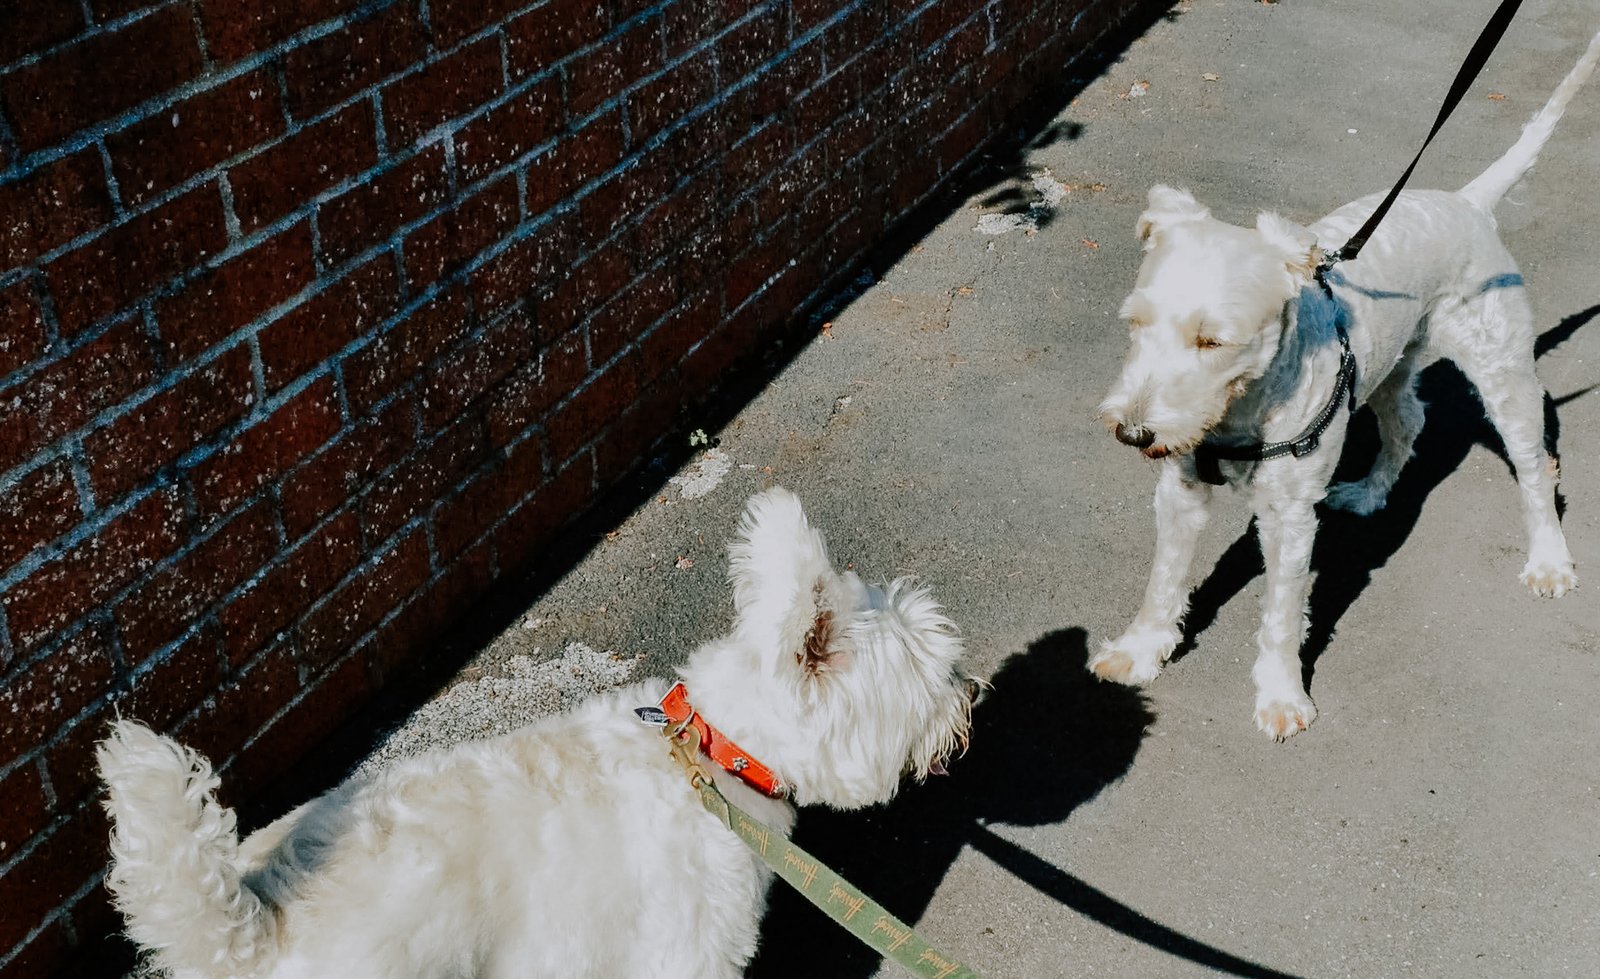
column 652, row 715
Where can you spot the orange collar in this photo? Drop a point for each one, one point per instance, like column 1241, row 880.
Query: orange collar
column 718, row 746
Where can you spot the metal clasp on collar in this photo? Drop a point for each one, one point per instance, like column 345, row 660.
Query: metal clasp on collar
column 684, row 743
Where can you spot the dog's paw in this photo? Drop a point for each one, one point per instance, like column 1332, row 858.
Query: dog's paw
column 1360, row 498
column 1283, row 719
column 1133, row 659
column 1550, row 579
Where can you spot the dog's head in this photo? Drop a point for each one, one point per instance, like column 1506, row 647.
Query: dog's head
column 841, row 687
column 1205, row 319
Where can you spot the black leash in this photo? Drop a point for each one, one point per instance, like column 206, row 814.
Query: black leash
column 1481, row 49
column 1208, row 454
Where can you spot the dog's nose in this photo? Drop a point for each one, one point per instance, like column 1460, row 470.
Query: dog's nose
column 1135, row 435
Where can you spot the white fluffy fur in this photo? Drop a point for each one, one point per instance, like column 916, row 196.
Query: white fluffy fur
column 1220, row 348
column 575, row 846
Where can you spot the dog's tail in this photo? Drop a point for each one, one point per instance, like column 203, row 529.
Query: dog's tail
column 1488, row 187
column 175, row 858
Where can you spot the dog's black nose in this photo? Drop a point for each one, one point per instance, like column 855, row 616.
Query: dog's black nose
column 1136, row 436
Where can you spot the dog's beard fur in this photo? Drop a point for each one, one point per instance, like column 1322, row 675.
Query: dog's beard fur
column 574, row 846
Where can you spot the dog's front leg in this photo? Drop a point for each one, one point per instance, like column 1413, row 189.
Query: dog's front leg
column 1288, row 527
column 1181, row 513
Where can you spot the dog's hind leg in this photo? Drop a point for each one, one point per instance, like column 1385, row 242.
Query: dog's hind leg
column 1490, row 337
column 1136, row 656
column 1399, row 412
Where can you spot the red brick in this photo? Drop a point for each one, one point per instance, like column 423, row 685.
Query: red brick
column 36, row 509
column 278, row 598
column 325, row 72
column 777, row 88
column 163, row 151
column 241, row 709
column 27, row 28
column 221, row 300
column 145, row 252
column 524, row 538
column 172, row 687
column 600, row 277
column 236, row 28
column 325, row 482
column 108, row 10
column 524, row 397
column 706, row 365
column 322, row 325
column 23, row 811
column 147, row 437
column 454, row 86
column 292, row 737
column 448, row 242
column 751, row 271
column 663, row 347
column 459, row 18
column 603, row 74
column 422, row 479
column 529, row 263
column 266, row 450
column 631, row 314
column 474, row 368
column 758, row 157
column 809, row 13
column 100, row 77
column 22, row 336
column 176, row 595
column 373, row 210
column 52, row 872
column 658, row 104
column 628, row 441
column 395, row 647
column 69, row 759
column 689, row 22
column 553, row 31
column 52, row 691
column 587, row 414
column 376, row 590
column 676, row 222
column 623, row 196
column 397, row 356
column 63, row 396
column 44, row 955
column 508, row 131
column 274, row 182
column 485, row 500
column 752, row 43
column 554, row 174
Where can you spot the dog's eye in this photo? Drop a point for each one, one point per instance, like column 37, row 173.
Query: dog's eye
column 1207, row 343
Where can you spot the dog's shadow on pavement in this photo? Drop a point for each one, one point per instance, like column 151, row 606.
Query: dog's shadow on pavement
column 1350, row 548
column 1045, row 739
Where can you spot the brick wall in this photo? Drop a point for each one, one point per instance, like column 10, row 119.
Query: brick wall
column 319, row 316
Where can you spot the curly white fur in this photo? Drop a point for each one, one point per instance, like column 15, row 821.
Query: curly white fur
column 572, row 847
column 1231, row 340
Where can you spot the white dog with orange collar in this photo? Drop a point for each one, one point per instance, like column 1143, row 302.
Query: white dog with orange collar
column 573, row 847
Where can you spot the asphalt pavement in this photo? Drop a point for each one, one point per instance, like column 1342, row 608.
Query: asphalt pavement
column 1440, row 818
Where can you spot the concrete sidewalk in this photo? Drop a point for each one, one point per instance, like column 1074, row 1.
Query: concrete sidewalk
column 1442, row 817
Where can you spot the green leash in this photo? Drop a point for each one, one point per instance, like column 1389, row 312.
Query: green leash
column 838, row 898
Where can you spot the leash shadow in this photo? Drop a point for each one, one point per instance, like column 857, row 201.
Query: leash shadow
column 1046, row 739
column 1350, row 549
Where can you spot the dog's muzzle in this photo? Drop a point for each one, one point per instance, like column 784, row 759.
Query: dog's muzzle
column 1135, row 435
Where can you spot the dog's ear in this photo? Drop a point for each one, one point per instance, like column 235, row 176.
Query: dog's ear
column 821, row 640
column 1168, row 206
column 1301, row 255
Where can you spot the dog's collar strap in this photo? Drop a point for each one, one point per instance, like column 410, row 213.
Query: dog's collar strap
column 679, row 713
column 1207, row 454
